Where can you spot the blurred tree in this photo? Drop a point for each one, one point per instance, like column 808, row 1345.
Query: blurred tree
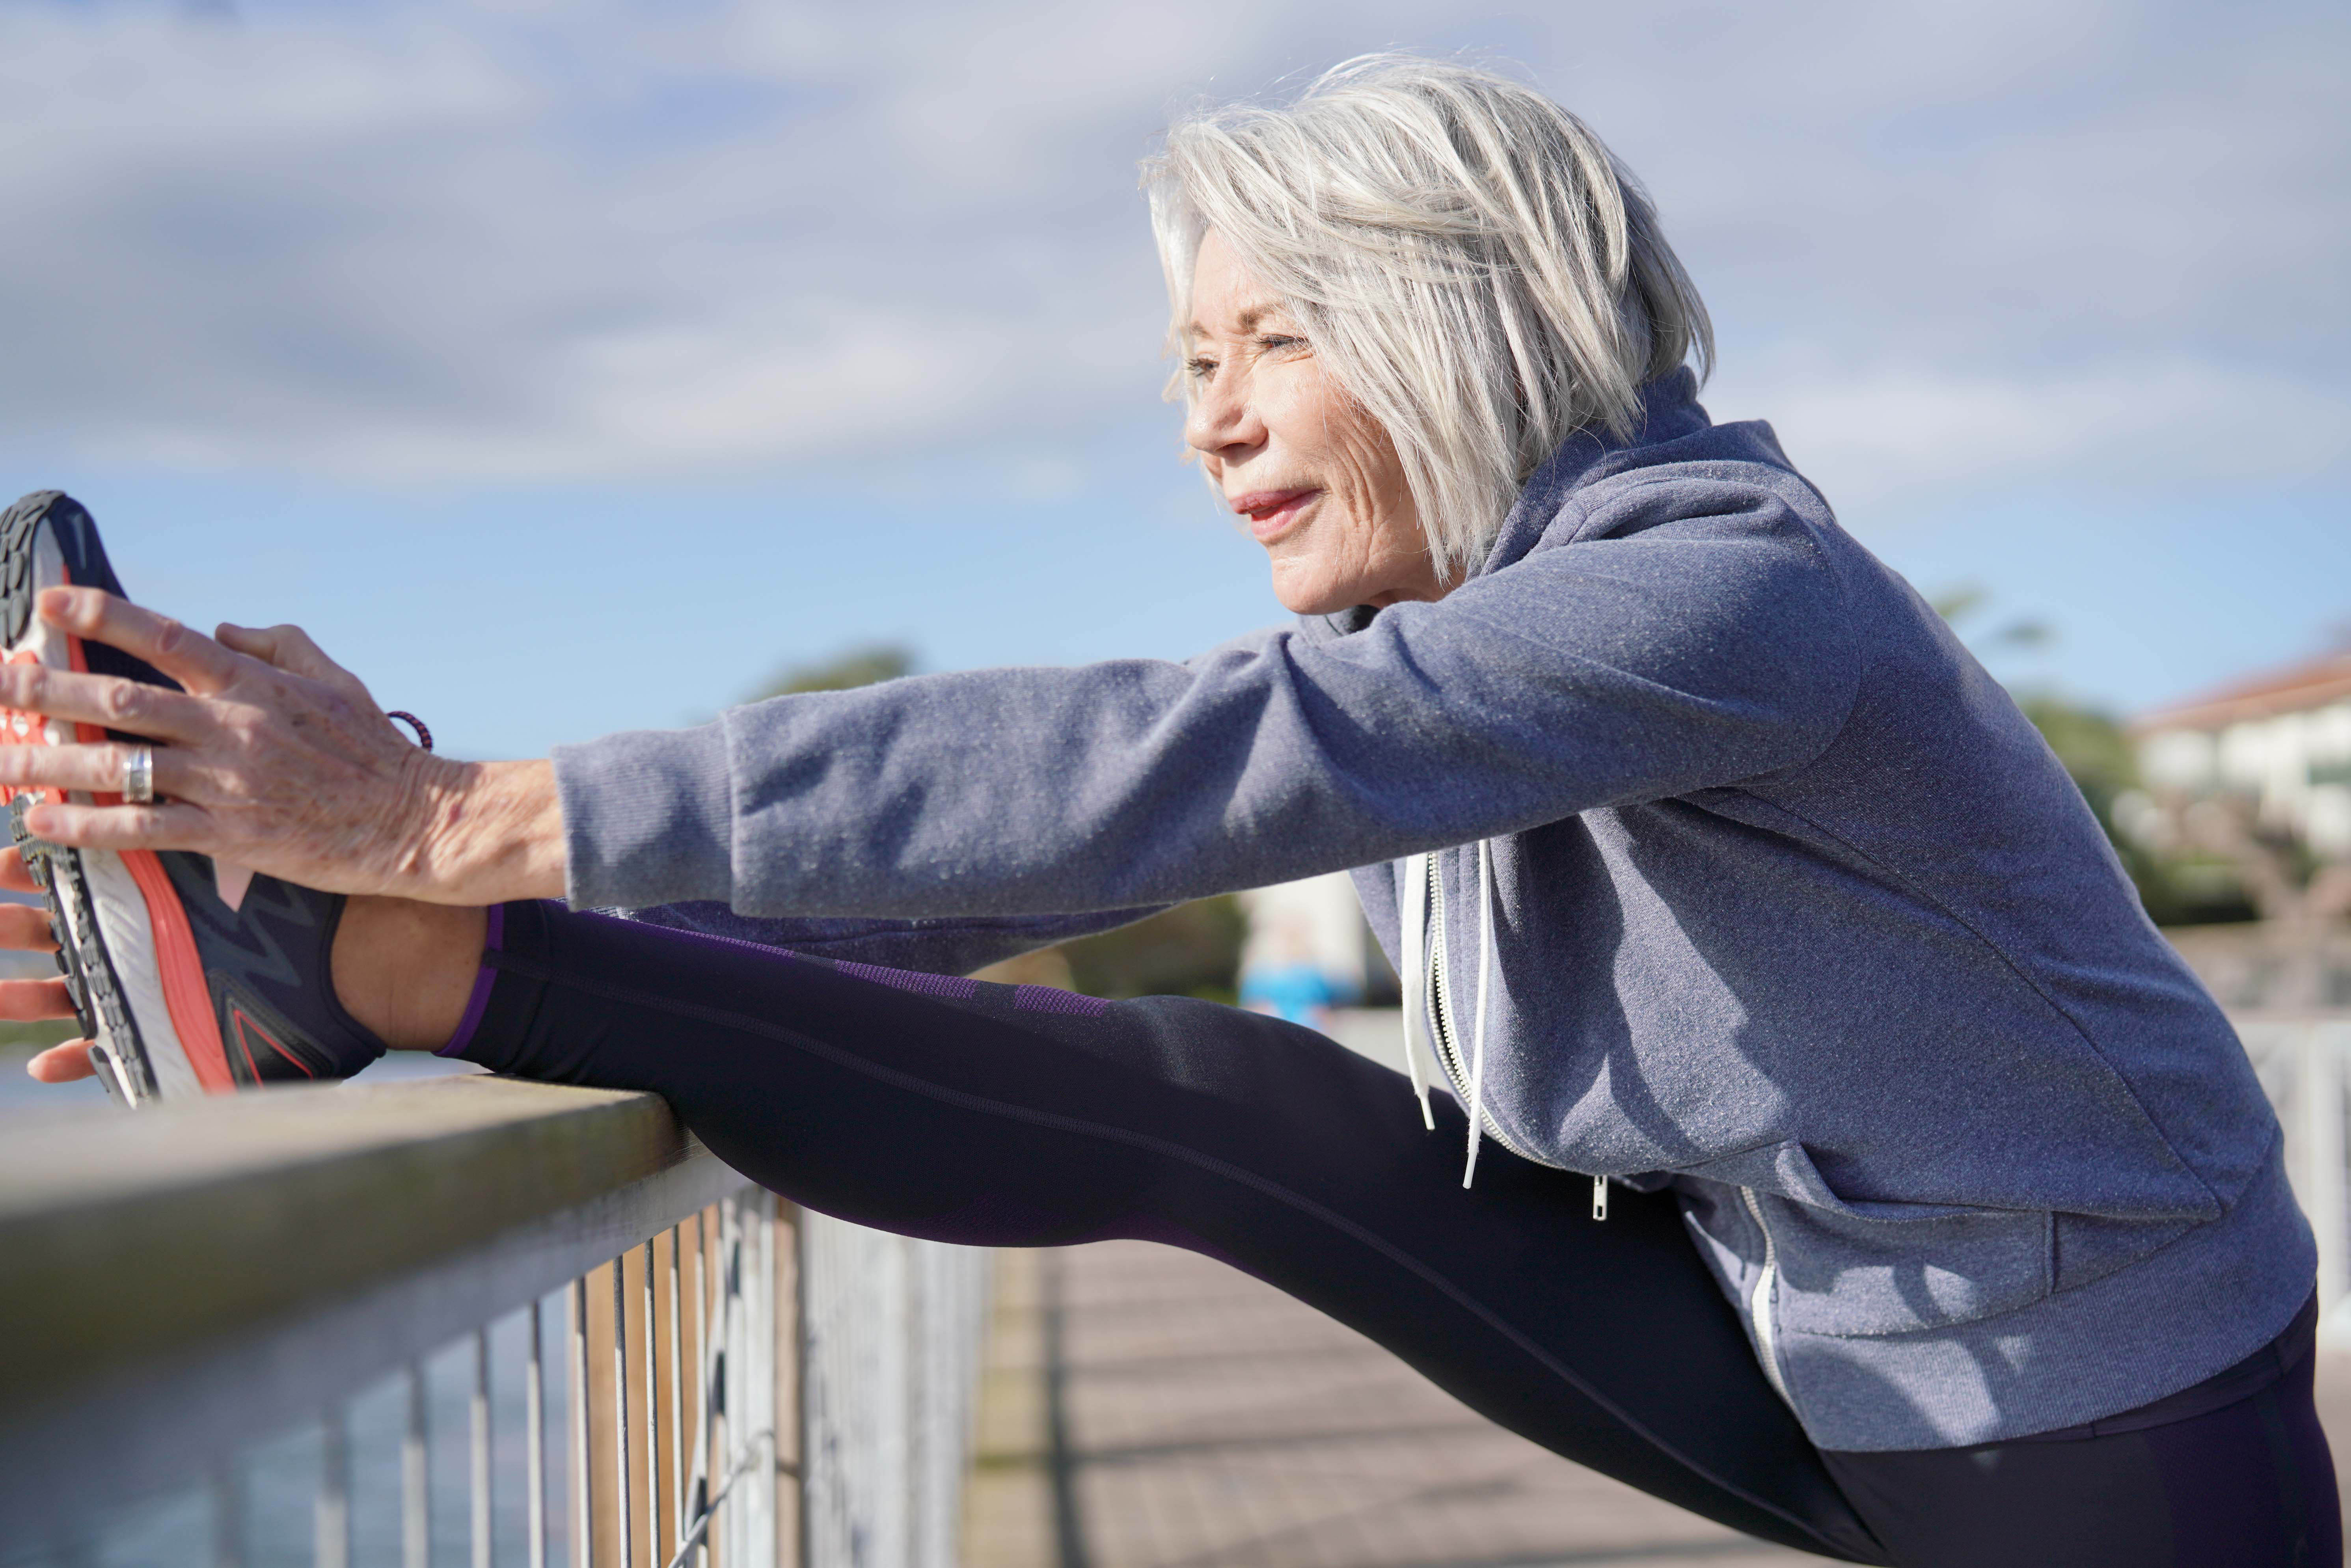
column 855, row 667
column 2193, row 887
column 2197, row 886
column 1192, row 949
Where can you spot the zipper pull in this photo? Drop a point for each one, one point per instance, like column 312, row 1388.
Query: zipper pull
column 1599, row 1197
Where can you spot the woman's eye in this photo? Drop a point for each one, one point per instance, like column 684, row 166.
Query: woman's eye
column 1281, row 344
column 1200, row 367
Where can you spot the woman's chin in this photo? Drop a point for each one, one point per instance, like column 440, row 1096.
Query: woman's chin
column 1303, row 593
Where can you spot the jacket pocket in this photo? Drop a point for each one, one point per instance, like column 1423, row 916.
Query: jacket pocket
column 1861, row 1268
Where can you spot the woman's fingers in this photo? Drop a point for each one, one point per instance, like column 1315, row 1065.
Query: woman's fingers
column 188, row 656
column 106, row 700
column 25, row 929
column 13, row 876
column 97, row 770
column 275, row 757
column 63, row 1063
column 289, row 648
column 100, row 769
column 29, row 1001
column 166, row 825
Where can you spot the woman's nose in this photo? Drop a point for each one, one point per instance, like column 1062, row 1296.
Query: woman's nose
column 1223, row 420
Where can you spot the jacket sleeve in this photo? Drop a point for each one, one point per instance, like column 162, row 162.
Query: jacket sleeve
column 1688, row 634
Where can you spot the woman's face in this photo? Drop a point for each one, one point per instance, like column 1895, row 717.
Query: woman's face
column 1315, row 474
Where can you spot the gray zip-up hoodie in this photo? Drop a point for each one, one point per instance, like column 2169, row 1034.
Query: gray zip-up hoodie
column 1790, row 909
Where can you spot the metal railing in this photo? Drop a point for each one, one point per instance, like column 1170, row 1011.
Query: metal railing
column 474, row 1320
column 2305, row 1066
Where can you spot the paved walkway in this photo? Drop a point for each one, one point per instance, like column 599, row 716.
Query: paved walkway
column 1148, row 1408
column 1205, row 1420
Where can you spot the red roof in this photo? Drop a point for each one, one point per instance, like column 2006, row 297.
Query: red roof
column 2311, row 683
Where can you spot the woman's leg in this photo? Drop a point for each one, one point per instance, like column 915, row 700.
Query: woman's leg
column 1025, row 1117
column 2245, row 1484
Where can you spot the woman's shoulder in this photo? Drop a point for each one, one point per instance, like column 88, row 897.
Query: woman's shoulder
column 1736, row 473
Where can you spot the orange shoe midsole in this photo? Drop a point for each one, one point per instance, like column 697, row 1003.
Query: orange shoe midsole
column 186, row 998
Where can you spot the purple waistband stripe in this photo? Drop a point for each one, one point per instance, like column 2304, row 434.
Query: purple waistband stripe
column 955, row 987
column 493, row 941
column 1048, row 999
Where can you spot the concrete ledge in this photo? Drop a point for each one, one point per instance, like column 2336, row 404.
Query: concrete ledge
column 124, row 1238
column 178, row 1283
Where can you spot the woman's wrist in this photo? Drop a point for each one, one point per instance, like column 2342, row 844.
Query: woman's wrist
column 493, row 832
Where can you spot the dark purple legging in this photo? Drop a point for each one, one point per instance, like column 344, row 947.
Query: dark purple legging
column 1021, row 1116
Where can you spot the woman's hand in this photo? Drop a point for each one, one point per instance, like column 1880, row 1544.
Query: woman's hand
column 25, row 928
column 276, row 758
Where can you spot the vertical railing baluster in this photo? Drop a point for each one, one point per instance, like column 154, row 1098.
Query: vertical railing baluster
column 756, row 1484
column 722, row 1388
column 731, row 1220
column 2324, row 1199
column 330, row 1514
column 676, row 1400
column 620, row 1404
column 705, row 1348
column 478, row 1430
column 415, row 1481
column 652, row 1420
column 583, row 1502
column 534, row 1443
column 228, row 1517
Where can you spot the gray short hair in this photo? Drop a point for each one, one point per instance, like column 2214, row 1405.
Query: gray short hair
column 1469, row 260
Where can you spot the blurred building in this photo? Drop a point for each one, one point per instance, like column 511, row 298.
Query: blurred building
column 2256, row 778
column 2280, row 740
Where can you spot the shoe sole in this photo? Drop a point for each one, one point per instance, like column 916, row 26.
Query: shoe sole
column 123, row 938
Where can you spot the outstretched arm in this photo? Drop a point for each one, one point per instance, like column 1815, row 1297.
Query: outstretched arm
column 275, row 757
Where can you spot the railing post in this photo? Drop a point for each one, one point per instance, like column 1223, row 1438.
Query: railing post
column 330, row 1545
column 759, row 1514
column 677, row 1519
column 416, row 1479
column 791, row 1386
column 228, row 1516
column 655, row 1555
column 623, row 1536
column 2321, row 1086
column 478, row 1435
column 533, row 1448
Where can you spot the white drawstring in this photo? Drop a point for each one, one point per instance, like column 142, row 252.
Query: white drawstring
column 1414, row 928
column 1477, row 1033
column 1415, row 980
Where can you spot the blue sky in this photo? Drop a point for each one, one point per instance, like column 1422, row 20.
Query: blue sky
column 569, row 367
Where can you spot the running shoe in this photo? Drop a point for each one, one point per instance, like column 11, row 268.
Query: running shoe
column 188, row 978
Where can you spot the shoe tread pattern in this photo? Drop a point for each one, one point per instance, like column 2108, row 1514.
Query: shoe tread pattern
column 90, row 979
column 16, row 526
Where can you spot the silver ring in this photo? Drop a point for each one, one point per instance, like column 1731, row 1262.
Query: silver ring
column 139, row 776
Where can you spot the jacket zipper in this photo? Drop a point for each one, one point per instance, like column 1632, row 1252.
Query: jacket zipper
column 1759, row 1305
column 1441, row 1032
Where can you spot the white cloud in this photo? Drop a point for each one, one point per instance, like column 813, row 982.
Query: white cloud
column 1908, row 434
column 2003, row 243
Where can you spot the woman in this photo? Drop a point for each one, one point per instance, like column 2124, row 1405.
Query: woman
column 1871, row 1175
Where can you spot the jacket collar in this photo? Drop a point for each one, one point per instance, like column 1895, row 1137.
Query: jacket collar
column 1669, row 411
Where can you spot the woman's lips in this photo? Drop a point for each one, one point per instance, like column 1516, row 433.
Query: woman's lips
column 1271, row 512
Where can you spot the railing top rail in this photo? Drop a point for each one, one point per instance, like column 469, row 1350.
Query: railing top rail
column 128, row 1238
